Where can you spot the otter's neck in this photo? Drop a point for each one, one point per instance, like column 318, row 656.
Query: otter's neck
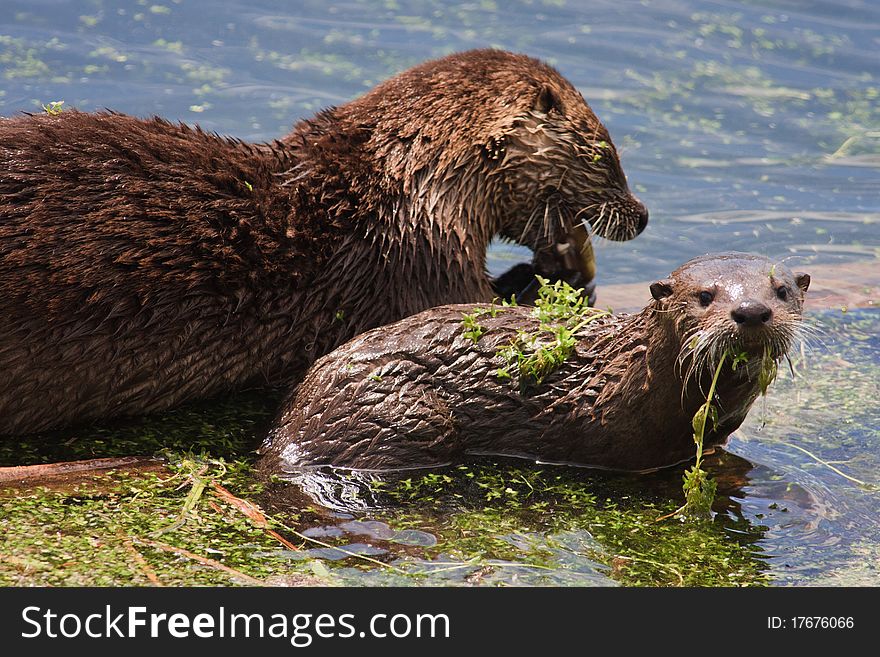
column 441, row 226
column 656, row 379
column 427, row 220
column 644, row 352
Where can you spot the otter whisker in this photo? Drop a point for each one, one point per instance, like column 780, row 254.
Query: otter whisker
column 560, row 219
column 598, row 224
column 546, row 220
column 528, row 225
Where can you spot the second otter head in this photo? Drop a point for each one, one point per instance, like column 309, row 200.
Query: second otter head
column 716, row 309
column 507, row 144
column 555, row 155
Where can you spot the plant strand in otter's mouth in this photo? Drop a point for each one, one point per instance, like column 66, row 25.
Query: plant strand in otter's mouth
column 699, row 488
column 702, row 350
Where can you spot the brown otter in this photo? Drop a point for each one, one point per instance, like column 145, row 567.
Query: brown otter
column 144, row 263
column 422, row 393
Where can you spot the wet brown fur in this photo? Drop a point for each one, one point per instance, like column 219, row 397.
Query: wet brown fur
column 144, row 263
column 419, row 393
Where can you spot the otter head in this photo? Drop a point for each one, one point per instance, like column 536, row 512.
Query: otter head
column 555, row 161
column 732, row 303
column 504, row 144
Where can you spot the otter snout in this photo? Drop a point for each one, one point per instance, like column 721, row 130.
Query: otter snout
column 751, row 313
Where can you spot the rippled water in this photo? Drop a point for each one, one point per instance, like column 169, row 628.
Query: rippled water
column 746, row 125
column 743, row 125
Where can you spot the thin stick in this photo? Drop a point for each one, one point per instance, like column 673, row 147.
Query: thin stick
column 252, row 512
column 49, row 470
column 674, row 513
column 865, row 484
column 164, row 547
column 145, row 567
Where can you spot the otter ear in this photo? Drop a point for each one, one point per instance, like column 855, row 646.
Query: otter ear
column 547, row 100
column 802, row 280
column 661, row 289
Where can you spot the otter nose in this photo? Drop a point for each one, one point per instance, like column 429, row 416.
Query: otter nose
column 751, row 313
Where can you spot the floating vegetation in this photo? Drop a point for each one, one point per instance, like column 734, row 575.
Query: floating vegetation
column 562, row 525
column 54, row 108
column 562, row 311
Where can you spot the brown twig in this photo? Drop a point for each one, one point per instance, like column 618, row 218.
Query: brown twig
column 145, row 567
column 50, row 470
column 164, row 547
column 252, row 512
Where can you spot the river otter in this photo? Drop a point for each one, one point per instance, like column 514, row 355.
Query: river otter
column 425, row 392
column 144, row 263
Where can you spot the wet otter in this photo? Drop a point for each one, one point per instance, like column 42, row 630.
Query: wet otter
column 422, row 393
column 144, row 263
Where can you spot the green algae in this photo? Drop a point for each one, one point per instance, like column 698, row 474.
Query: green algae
column 561, row 311
column 86, row 536
column 491, row 522
column 527, row 515
column 229, row 428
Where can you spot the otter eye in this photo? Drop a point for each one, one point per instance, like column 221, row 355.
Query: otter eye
column 782, row 293
column 495, row 148
column 706, row 298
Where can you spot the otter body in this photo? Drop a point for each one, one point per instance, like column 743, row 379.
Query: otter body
column 420, row 393
column 143, row 264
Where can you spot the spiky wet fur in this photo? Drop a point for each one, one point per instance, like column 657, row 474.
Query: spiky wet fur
column 143, row 263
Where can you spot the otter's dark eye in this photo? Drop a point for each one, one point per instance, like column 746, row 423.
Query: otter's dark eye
column 495, row 148
column 782, row 293
column 706, row 298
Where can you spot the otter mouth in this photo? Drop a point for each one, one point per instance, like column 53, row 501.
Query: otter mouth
column 753, row 353
column 571, row 260
column 761, row 344
column 620, row 220
column 572, row 256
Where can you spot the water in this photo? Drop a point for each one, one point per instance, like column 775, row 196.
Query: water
column 742, row 125
column 730, row 115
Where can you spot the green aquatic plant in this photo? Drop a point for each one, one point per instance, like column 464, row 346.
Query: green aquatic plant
column 699, row 488
column 472, row 329
column 54, row 108
column 470, row 321
column 767, row 373
column 490, row 516
column 561, row 311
